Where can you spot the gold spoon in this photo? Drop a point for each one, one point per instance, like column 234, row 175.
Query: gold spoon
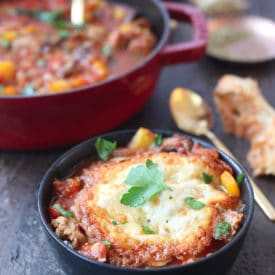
column 192, row 114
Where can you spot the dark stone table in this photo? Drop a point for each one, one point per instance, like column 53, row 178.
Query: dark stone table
column 23, row 245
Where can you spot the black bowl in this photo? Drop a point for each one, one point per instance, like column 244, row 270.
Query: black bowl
column 75, row 263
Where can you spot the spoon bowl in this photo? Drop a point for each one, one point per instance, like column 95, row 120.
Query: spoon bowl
column 190, row 112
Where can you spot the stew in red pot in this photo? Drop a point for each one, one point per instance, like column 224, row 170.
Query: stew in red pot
column 41, row 52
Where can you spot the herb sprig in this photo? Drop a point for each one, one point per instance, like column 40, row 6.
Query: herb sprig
column 104, row 148
column 146, row 182
column 62, row 211
column 222, row 229
column 193, row 203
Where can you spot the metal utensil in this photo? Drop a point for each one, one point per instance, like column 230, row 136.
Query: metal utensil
column 192, row 114
column 77, row 12
column 241, row 39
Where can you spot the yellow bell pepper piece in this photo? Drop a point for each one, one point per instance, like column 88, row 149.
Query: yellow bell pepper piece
column 230, row 184
column 7, row 71
column 9, row 35
column 142, row 139
column 9, row 90
column 101, row 69
column 60, row 85
column 119, row 13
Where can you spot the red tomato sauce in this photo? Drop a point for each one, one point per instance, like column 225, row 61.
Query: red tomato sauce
column 41, row 52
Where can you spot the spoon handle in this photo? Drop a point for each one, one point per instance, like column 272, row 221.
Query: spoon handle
column 259, row 196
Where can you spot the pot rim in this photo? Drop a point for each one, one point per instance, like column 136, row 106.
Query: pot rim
column 235, row 165
column 161, row 43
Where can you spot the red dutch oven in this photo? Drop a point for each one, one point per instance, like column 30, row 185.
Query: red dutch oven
column 46, row 121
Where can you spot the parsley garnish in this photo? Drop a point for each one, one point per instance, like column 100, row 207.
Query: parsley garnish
column 64, row 34
column 193, row 203
column 28, row 90
column 222, row 229
column 146, row 182
column 107, row 243
column 158, row 140
column 1, row 88
column 50, row 17
column 114, row 222
column 107, row 50
column 62, row 211
column 104, row 148
column 240, row 178
column 5, row 44
column 41, row 63
column 147, row 230
column 207, row 178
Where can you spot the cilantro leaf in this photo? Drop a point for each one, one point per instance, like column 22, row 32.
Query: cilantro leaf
column 107, row 50
column 64, row 34
column 158, row 140
column 1, row 88
column 5, row 44
column 49, row 17
column 107, row 243
column 240, row 178
column 147, row 230
column 104, row 148
column 28, row 90
column 193, row 203
column 146, row 181
column 207, row 178
column 62, row 211
column 222, row 229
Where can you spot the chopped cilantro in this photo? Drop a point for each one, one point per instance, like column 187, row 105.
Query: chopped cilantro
column 62, row 211
column 193, row 203
column 107, row 243
column 222, row 229
column 104, row 148
column 147, row 230
column 207, row 178
column 158, row 140
column 114, row 223
column 28, row 90
column 240, row 178
column 64, row 34
column 41, row 63
column 107, row 50
column 5, row 44
column 146, row 182
column 1, row 88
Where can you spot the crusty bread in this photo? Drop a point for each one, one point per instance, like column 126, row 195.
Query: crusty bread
column 246, row 113
column 213, row 7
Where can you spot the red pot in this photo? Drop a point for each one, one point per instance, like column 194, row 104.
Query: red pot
column 36, row 122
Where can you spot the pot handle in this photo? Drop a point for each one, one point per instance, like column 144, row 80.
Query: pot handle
column 187, row 51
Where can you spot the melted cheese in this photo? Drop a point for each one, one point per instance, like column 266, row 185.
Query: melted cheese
column 179, row 231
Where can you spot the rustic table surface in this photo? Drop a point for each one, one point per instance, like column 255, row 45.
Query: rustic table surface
column 24, row 248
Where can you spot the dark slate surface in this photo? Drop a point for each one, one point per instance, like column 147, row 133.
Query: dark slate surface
column 23, row 245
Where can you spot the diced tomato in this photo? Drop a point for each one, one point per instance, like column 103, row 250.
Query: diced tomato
column 53, row 212
column 67, row 187
column 65, row 204
column 97, row 251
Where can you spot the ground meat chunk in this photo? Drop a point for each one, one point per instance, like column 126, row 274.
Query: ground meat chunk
column 69, row 229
